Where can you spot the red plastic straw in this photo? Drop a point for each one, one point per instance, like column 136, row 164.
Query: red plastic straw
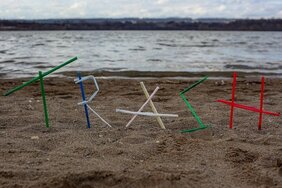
column 249, row 108
column 232, row 100
column 245, row 107
column 261, row 102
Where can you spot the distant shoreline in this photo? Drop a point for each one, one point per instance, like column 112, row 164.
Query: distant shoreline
column 151, row 74
column 208, row 24
column 163, row 74
column 38, row 30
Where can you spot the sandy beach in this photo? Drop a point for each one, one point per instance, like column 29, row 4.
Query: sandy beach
column 68, row 154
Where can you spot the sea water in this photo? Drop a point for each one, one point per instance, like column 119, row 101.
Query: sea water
column 24, row 53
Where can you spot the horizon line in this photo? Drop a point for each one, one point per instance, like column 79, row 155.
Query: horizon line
column 173, row 17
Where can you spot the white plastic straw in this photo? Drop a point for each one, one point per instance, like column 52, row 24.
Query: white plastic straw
column 141, row 108
column 152, row 105
column 146, row 113
column 98, row 115
column 96, row 85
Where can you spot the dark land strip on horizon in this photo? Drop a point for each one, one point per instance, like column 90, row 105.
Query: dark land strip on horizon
column 213, row 24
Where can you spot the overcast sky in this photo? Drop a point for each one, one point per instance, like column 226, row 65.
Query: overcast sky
column 38, row 9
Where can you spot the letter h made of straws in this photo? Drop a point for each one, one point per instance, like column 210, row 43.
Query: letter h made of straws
column 233, row 105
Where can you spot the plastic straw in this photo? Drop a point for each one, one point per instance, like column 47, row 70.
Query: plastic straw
column 193, row 111
column 182, row 95
column 37, row 78
column 83, row 98
column 152, row 105
column 245, row 107
column 249, row 108
column 194, row 85
column 43, row 99
column 141, row 108
column 193, row 130
column 146, row 113
column 96, row 85
column 261, row 103
column 232, row 101
column 98, row 115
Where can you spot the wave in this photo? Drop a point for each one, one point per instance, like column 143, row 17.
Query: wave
column 188, row 46
column 39, row 44
column 247, row 67
column 7, row 61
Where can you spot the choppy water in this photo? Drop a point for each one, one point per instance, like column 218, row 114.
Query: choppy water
column 25, row 53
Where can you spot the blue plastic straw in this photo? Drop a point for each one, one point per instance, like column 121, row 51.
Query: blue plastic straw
column 83, row 98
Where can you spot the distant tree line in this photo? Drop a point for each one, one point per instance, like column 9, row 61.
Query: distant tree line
column 143, row 24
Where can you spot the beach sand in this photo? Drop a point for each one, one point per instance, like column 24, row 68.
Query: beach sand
column 143, row 155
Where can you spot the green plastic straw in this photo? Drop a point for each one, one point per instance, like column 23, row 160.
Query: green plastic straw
column 202, row 126
column 37, row 78
column 192, row 111
column 194, row 85
column 44, row 99
column 193, row 130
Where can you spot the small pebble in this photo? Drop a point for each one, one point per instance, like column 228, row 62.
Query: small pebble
column 221, row 83
column 229, row 139
column 34, row 137
column 29, row 107
column 203, row 163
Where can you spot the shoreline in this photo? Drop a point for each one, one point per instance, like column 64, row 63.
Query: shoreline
column 151, row 74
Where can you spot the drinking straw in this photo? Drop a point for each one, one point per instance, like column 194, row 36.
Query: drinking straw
column 146, row 113
column 141, row 108
column 261, row 102
column 193, row 85
column 83, row 98
column 249, row 108
column 44, row 99
column 152, row 105
column 232, row 100
column 98, row 115
column 245, row 107
column 37, row 78
column 193, row 111
column 96, row 85
column 193, row 130
column 202, row 126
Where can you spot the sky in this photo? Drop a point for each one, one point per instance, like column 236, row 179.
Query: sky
column 42, row 9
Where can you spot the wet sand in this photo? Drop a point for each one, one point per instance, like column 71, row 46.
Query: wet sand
column 143, row 155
